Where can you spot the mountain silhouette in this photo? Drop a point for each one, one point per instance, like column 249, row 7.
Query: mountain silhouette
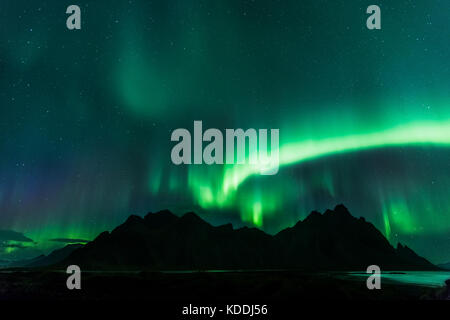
column 45, row 260
column 55, row 256
column 334, row 240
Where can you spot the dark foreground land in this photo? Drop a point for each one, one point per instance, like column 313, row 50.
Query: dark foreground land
column 204, row 286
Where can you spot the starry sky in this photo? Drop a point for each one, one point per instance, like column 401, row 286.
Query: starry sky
column 86, row 115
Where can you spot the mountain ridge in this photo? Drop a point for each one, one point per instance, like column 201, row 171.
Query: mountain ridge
column 334, row 240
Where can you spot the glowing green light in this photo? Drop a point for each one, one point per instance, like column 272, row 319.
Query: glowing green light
column 291, row 153
column 257, row 214
column 221, row 193
column 387, row 225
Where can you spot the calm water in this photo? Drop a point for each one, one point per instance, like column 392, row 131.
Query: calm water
column 424, row 278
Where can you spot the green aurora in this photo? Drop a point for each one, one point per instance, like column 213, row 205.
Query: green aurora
column 86, row 116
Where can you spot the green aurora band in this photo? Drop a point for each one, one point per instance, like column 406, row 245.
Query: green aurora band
column 223, row 195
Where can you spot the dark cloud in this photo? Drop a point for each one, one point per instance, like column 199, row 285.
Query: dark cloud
column 9, row 235
column 68, row 240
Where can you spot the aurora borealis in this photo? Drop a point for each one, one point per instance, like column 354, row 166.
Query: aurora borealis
column 86, row 115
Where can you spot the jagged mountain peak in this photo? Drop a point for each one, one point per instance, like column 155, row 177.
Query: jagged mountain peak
column 193, row 218
column 334, row 240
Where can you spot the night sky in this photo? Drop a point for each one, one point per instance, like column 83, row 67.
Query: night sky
column 86, row 115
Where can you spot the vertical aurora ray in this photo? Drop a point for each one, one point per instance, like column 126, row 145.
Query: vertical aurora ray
column 387, row 225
